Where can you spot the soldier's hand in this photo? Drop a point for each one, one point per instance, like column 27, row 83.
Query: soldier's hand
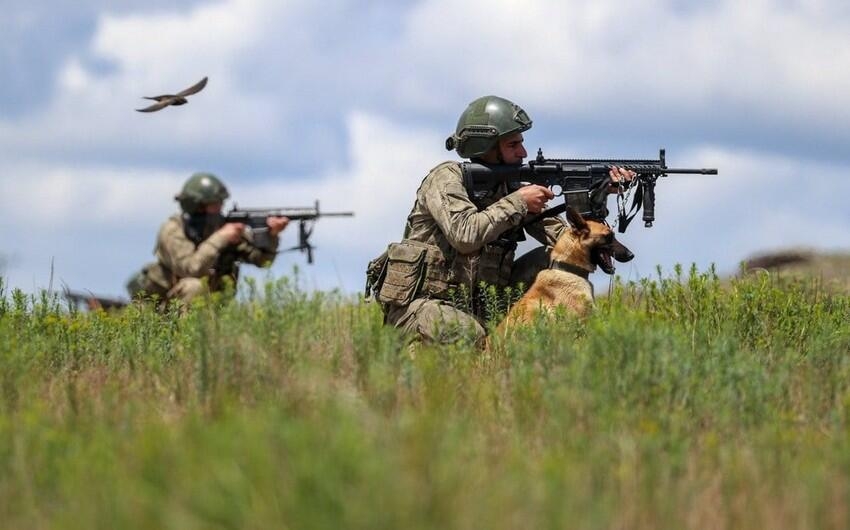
column 232, row 232
column 276, row 224
column 535, row 197
column 619, row 174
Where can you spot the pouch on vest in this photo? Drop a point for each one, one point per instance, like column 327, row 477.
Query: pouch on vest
column 148, row 282
column 405, row 274
column 376, row 272
column 439, row 278
column 495, row 264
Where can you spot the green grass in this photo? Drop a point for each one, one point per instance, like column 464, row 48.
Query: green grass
column 680, row 403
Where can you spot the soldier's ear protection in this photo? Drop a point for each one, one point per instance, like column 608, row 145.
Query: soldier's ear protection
column 470, row 131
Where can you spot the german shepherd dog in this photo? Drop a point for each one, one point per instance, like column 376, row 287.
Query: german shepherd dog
column 580, row 249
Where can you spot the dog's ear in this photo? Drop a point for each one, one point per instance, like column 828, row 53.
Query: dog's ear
column 575, row 219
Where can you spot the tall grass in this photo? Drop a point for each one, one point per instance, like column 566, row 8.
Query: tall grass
column 682, row 402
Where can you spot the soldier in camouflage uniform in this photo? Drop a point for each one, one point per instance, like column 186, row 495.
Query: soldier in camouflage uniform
column 196, row 251
column 454, row 241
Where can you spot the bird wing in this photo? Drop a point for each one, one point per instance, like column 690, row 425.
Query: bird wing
column 194, row 89
column 156, row 106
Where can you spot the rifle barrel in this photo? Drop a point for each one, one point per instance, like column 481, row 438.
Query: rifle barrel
column 297, row 216
column 682, row 171
column 701, row 171
column 291, row 212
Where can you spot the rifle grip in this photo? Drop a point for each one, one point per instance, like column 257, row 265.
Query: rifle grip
column 648, row 203
column 261, row 238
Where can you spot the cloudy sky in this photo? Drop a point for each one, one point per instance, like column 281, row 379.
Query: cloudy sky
column 349, row 102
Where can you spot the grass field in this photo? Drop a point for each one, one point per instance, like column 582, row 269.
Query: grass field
column 681, row 403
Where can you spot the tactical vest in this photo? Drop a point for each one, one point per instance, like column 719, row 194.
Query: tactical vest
column 413, row 269
column 155, row 279
column 227, row 264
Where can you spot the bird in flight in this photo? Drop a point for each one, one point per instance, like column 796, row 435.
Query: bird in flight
column 174, row 99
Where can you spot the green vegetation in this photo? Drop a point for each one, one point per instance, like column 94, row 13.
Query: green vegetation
column 681, row 403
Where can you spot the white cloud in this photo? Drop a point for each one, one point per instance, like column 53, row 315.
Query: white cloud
column 574, row 57
column 92, row 115
column 284, row 75
column 45, row 196
column 74, row 77
column 174, row 41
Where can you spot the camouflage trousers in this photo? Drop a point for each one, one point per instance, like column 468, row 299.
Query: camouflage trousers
column 187, row 289
column 141, row 286
column 438, row 321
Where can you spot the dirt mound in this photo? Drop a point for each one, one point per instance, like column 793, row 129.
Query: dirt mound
column 832, row 269
column 776, row 260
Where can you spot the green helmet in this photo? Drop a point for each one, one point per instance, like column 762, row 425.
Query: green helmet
column 201, row 189
column 483, row 123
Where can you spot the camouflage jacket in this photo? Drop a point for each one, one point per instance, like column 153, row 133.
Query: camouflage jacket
column 445, row 216
column 179, row 256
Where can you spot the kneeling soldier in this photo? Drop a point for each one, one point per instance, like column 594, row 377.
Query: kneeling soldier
column 455, row 240
column 196, row 251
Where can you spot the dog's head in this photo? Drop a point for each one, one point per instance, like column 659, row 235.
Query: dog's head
column 596, row 241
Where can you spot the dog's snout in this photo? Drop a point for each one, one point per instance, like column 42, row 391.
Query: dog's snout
column 623, row 255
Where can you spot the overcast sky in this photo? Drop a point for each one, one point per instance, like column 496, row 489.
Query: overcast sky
column 349, row 102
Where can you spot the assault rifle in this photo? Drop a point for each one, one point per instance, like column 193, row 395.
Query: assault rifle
column 93, row 302
column 582, row 182
column 255, row 218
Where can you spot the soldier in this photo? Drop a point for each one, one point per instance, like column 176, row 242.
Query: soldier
column 454, row 241
column 196, row 251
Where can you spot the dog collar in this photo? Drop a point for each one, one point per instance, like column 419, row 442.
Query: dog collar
column 569, row 267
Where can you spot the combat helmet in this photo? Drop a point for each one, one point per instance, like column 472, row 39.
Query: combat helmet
column 199, row 190
column 483, row 123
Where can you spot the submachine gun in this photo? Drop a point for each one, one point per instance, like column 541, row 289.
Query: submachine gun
column 255, row 219
column 582, row 182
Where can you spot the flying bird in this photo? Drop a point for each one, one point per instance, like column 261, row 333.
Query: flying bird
column 174, row 99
